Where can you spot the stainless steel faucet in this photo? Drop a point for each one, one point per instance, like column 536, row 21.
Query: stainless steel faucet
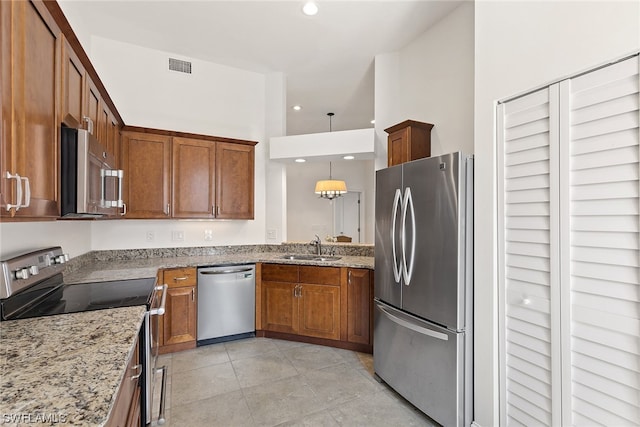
column 318, row 244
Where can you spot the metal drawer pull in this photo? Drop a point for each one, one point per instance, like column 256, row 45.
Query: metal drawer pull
column 135, row 368
column 177, row 279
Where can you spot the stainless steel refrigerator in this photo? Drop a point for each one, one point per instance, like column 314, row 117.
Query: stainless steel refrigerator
column 423, row 318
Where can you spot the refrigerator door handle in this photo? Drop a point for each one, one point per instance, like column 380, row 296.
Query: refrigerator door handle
column 396, row 266
column 408, row 203
column 409, row 325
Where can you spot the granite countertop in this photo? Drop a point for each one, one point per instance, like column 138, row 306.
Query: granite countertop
column 65, row 369
column 108, row 270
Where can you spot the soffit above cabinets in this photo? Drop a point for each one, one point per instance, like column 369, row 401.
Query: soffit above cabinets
column 324, row 146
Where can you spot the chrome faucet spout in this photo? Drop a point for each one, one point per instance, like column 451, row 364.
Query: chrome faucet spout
column 318, row 244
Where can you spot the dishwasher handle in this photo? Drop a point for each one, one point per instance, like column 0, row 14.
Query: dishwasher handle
column 239, row 270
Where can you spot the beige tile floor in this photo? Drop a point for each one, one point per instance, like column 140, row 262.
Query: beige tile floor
column 268, row 382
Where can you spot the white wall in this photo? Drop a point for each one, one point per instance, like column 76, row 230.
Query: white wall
column 276, row 173
column 430, row 80
column 18, row 238
column 307, row 214
column 520, row 45
column 213, row 100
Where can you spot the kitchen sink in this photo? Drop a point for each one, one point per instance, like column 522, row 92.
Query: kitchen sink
column 295, row 257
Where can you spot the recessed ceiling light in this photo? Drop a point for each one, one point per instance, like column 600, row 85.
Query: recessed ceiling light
column 300, row 160
column 348, row 157
column 297, row 107
column 373, row 122
column 310, row 8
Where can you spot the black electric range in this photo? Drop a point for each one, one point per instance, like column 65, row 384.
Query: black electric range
column 32, row 285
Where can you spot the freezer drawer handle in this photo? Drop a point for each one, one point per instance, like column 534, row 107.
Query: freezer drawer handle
column 416, row 328
column 241, row 270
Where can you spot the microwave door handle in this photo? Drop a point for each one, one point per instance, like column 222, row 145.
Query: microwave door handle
column 394, row 215
column 103, row 179
column 113, row 173
column 120, row 175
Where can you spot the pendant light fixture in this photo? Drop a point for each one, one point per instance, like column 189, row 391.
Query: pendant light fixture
column 330, row 188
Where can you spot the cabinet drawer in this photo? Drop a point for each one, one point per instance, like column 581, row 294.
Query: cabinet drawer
column 320, row 275
column 280, row 273
column 180, row 277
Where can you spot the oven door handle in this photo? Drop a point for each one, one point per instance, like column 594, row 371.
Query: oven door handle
column 160, row 310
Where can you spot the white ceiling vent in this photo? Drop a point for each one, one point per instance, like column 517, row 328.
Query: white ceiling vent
column 180, row 66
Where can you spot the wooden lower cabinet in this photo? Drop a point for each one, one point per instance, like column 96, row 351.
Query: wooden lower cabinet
column 280, row 307
column 126, row 411
column 178, row 330
column 319, row 311
column 359, row 306
column 325, row 305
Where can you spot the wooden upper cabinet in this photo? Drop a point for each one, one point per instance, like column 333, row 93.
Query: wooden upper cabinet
column 73, row 88
column 212, row 179
column 193, row 178
column 407, row 141
column 234, row 181
column 30, row 114
column 146, row 161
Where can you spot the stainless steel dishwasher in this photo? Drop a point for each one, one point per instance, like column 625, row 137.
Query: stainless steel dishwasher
column 226, row 303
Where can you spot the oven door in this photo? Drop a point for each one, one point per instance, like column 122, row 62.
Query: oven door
column 156, row 377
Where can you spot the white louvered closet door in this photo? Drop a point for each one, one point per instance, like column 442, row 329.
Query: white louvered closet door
column 528, row 248
column 600, row 242
column 569, row 251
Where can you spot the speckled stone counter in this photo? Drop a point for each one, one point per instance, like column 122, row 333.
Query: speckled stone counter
column 67, row 368
column 120, row 269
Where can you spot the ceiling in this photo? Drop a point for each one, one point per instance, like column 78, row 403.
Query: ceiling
column 327, row 58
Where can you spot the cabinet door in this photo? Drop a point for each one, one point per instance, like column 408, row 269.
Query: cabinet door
column 32, row 148
column 146, row 161
column 128, row 399
column 7, row 187
column 103, row 125
column 193, row 178
column 180, row 316
column 113, row 138
column 359, row 301
column 92, row 109
column 73, row 87
column 279, row 307
column 398, row 147
column 234, row 181
column 319, row 311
